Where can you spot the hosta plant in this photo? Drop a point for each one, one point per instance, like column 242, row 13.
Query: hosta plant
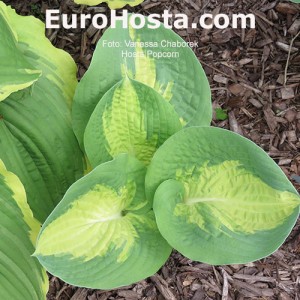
column 213, row 195
column 158, row 180
column 37, row 142
column 216, row 196
column 121, row 118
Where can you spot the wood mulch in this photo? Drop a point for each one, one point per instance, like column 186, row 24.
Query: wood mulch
column 255, row 77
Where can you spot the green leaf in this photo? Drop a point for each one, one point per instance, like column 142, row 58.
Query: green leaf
column 37, row 141
column 22, row 277
column 221, row 114
column 103, row 233
column 130, row 118
column 219, row 198
column 55, row 64
column 16, row 72
column 113, row 4
column 180, row 80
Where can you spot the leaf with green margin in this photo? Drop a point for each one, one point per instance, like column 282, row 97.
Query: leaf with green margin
column 113, row 4
column 22, row 277
column 104, row 229
column 213, row 187
column 16, row 73
column 130, row 118
column 37, row 141
column 181, row 81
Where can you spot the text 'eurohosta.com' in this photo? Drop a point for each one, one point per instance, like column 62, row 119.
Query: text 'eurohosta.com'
column 54, row 19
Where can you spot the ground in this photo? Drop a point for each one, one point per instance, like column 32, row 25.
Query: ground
column 254, row 76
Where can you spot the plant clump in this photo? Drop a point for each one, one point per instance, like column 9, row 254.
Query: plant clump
column 161, row 175
column 159, row 178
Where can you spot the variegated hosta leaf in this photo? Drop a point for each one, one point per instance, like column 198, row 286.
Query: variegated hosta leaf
column 113, row 4
column 37, row 142
column 56, row 65
column 103, row 234
column 219, row 198
column 22, row 277
column 16, row 72
column 130, row 118
column 181, row 80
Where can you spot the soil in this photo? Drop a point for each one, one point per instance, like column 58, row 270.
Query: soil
column 255, row 79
